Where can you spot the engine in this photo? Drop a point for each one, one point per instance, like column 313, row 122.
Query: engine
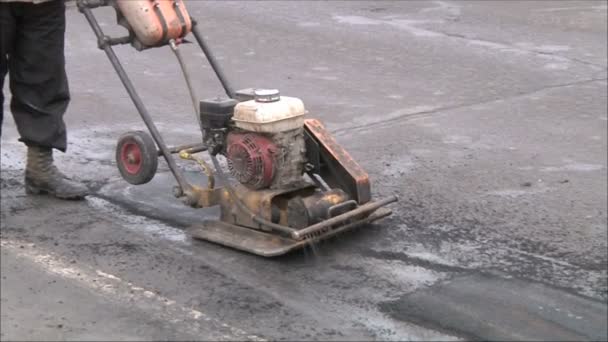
column 251, row 159
column 262, row 161
column 263, row 140
column 265, row 146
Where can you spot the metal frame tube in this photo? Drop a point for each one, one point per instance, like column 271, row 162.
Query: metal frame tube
column 212, row 61
column 184, row 67
column 192, row 148
column 376, row 215
column 103, row 41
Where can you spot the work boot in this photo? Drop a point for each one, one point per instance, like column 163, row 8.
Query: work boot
column 43, row 177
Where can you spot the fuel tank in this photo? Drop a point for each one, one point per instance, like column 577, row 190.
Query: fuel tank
column 155, row 22
column 269, row 112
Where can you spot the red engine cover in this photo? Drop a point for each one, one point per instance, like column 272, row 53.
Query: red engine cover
column 250, row 159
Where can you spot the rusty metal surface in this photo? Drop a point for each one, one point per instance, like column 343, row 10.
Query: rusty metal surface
column 186, row 155
column 304, row 211
column 264, row 203
column 341, row 169
column 241, row 238
column 206, row 197
column 266, row 244
column 355, row 214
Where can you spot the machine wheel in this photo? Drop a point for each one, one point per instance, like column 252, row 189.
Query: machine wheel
column 136, row 157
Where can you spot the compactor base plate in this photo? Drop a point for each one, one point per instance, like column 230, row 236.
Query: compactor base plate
column 267, row 244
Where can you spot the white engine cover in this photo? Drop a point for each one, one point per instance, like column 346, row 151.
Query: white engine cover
column 279, row 115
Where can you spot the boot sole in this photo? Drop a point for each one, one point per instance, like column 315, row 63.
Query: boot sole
column 31, row 190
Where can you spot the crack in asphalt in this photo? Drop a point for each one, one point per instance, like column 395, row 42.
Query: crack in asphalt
column 411, row 27
column 364, row 127
column 415, row 261
column 519, row 48
column 134, row 208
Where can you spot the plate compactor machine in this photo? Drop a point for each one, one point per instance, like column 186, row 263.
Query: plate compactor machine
column 290, row 183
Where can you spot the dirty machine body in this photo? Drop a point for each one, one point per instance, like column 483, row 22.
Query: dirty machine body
column 289, row 183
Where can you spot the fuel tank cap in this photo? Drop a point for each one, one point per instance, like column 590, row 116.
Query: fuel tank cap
column 267, row 95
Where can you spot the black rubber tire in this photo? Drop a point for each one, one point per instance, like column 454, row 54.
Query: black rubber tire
column 143, row 169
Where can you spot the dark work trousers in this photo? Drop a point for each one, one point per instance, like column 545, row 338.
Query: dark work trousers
column 31, row 51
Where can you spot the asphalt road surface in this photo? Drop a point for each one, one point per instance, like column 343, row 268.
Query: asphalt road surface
column 487, row 119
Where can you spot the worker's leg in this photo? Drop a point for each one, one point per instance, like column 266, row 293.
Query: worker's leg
column 38, row 81
column 40, row 93
column 7, row 33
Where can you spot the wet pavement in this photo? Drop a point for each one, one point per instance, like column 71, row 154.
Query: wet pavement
column 488, row 120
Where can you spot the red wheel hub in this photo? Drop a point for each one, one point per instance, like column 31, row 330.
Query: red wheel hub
column 130, row 157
